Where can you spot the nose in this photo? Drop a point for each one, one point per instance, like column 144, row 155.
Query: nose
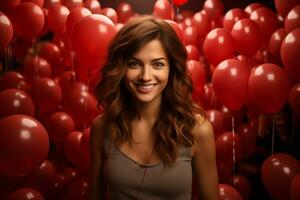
column 146, row 73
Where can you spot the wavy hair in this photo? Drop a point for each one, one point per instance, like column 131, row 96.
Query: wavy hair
column 177, row 116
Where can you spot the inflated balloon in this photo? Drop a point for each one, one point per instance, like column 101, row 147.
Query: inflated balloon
column 224, row 81
column 202, row 24
column 216, row 118
column 294, row 188
column 22, row 140
column 93, row 5
column 110, row 13
column 275, row 43
column 289, row 51
column 248, row 37
column 179, row 2
column 72, row 4
column 163, row 9
column 292, row 20
column 47, row 95
column 248, row 134
column 36, row 67
column 198, row 75
column 14, row 101
column 190, row 36
column 125, row 11
column 267, row 20
column 227, row 192
column 40, row 3
column 27, row 15
column 59, row 125
column 252, row 6
column 214, row 9
column 242, row 184
column 284, row 6
column 193, row 52
column 8, row 4
column 294, row 99
column 73, row 150
column 75, row 15
column 176, row 28
column 208, row 99
column 13, row 80
column 57, row 18
column 6, row 30
column 232, row 16
column 269, row 87
column 25, row 194
column 90, row 39
column 277, row 173
column 78, row 189
column 218, row 46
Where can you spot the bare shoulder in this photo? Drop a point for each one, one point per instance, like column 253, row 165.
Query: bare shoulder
column 203, row 133
column 97, row 126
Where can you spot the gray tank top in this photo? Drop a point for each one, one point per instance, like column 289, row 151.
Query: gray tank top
column 124, row 177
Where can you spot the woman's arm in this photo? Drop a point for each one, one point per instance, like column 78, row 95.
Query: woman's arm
column 204, row 160
column 96, row 160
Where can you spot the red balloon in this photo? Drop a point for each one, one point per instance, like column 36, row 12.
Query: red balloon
column 214, row 9
column 277, row 173
column 216, row 118
column 179, row 2
column 248, row 37
column 229, row 149
column 85, row 141
column 13, row 80
column 73, row 150
column 36, row 67
column 125, row 11
column 27, row 15
column 22, row 140
column 14, row 101
column 248, row 133
column 218, row 46
column 59, row 125
column 72, row 4
column 193, row 52
column 163, row 9
column 267, row 20
column 232, row 16
column 289, row 51
column 208, row 99
column 25, row 194
column 47, row 95
column 284, row 6
column 226, row 192
column 75, row 15
column 198, row 75
column 6, row 30
column 8, row 4
column 93, row 5
column 269, row 87
column 190, row 36
column 294, row 99
column 294, row 188
column 292, row 20
column 90, row 39
column 49, row 3
column 57, row 18
column 252, row 6
column 275, row 43
column 202, row 24
column 40, row 3
column 224, row 81
column 110, row 13
column 242, row 185
column 176, row 28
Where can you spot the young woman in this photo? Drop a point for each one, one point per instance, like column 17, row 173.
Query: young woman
column 152, row 139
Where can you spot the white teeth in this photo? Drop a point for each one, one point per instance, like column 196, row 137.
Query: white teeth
column 145, row 88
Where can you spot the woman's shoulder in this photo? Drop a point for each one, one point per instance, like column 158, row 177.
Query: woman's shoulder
column 97, row 125
column 203, row 129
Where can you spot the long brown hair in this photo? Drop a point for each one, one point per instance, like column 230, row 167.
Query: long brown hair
column 176, row 118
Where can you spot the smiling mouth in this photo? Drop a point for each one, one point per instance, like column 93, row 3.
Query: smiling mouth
column 144, row 88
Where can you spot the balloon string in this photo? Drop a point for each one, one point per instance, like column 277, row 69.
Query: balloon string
column 86, row 100
column 233, row 149
column 273, row 135
column 72, row 65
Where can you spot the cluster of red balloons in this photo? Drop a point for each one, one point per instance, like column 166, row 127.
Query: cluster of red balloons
column 243, row 63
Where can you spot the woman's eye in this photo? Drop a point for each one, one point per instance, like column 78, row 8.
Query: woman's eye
column 133, row 64
column 158, row 64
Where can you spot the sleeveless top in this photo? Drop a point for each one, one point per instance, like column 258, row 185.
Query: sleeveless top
column 124, row 177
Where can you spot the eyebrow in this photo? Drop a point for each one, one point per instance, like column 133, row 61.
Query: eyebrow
column 156, row 59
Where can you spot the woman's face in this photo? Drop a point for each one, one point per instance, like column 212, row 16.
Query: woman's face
column 147, row 72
